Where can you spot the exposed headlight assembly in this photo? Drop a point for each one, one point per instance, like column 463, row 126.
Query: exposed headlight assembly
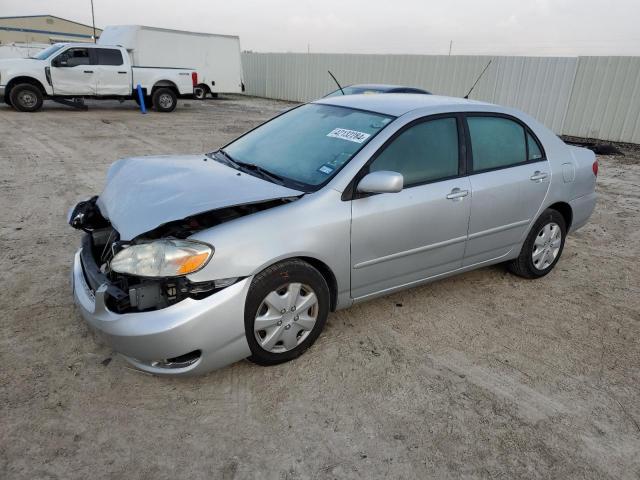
column 162, row 258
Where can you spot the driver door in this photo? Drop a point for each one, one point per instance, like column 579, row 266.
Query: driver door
column 402, row 238
column 72, row 73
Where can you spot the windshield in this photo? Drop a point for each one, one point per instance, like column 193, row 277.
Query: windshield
column 308, row 145
column 354, row 91
column 47, row 52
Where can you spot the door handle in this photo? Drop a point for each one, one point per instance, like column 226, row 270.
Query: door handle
column 122, row 73
column 457, row 194
column 88, row 71
column 538, row 176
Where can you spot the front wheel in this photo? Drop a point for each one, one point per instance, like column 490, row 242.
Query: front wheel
column 542, row 248
column 165, row 100
column 26, row 97
column 285, row 311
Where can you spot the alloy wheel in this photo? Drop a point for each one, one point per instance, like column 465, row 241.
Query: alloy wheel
column 546, row 246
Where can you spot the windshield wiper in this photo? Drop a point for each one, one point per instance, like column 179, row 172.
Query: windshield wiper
column 251, row 167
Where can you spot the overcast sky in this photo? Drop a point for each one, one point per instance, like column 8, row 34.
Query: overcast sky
column 516, row 27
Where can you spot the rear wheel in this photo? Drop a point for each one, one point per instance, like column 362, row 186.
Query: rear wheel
column 26, row 97
column 542, row 248
column 165, row 100
column 200, row 92
column 286, row 309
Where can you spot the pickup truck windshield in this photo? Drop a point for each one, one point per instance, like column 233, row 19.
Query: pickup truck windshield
column 308, row 145
column 47, row 52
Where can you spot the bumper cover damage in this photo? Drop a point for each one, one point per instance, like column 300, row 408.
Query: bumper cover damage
column 151, row 340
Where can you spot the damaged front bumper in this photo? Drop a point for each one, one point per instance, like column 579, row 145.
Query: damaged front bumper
column 189, row 337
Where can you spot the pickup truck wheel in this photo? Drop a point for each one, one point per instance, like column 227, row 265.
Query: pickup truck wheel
column 165, row 100
column 286, row 308
column 26, row 97
column 542, row 248
column 200, row 92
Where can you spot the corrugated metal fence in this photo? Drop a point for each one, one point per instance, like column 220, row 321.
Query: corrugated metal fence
column 597, row 97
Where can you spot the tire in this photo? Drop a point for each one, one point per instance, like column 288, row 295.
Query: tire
column 147, row 101
column 164, row 100
column 285, row 287
column 200, row 92
column 542, row 248
column 26, row 97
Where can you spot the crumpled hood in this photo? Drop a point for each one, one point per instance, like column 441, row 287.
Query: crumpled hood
column 144, row 193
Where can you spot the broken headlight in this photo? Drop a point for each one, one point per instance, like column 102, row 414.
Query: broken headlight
column 162, row 258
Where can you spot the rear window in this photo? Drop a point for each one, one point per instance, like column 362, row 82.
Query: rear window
column 109, row 56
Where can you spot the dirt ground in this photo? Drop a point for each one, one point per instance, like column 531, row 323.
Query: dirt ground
column 483, row 375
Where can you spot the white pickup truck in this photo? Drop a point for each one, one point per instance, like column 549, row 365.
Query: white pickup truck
column 81, row 70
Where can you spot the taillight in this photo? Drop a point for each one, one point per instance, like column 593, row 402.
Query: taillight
column 194, row 78
column 594, row 167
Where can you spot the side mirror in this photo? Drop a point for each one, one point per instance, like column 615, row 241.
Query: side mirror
column 59, row 62
column 381, row 182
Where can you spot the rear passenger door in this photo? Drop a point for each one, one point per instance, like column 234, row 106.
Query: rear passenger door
column 509, row 181
column 112, row 74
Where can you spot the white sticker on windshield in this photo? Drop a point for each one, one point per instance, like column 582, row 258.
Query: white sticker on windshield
column 350, row 135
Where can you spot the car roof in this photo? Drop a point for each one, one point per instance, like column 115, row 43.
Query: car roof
column 397, row 104
column 380, row 86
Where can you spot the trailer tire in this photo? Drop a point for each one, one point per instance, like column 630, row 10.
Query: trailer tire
column 26, row 97
column 164, row 100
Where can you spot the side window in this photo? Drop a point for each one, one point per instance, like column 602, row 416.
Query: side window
column 496, row 142
column 109, row 56
column 424, row 152
column 74, row 57
column 535, row 152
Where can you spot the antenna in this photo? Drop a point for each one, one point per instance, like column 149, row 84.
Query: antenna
column 337, row 83
column 478, row 79
column 93, row 21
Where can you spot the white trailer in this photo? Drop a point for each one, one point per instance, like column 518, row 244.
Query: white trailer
column 215, row 57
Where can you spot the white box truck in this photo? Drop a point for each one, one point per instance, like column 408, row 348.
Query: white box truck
column 215, row 57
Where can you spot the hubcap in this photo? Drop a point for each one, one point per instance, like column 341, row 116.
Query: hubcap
column 546, row 246
column 165, row 100
column 27, row 99
column 286, row 317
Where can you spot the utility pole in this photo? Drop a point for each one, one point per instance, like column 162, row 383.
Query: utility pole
column 450, row 44
column 93, row 22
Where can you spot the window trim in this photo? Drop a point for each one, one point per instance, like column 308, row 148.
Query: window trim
column 527, row 130
column 350, row 193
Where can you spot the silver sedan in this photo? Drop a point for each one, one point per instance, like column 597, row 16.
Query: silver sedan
column 190, row 263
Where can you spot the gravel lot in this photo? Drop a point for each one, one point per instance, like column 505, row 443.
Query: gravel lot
column 484, row 375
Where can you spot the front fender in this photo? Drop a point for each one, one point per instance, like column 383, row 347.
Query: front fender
column 316, row 226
